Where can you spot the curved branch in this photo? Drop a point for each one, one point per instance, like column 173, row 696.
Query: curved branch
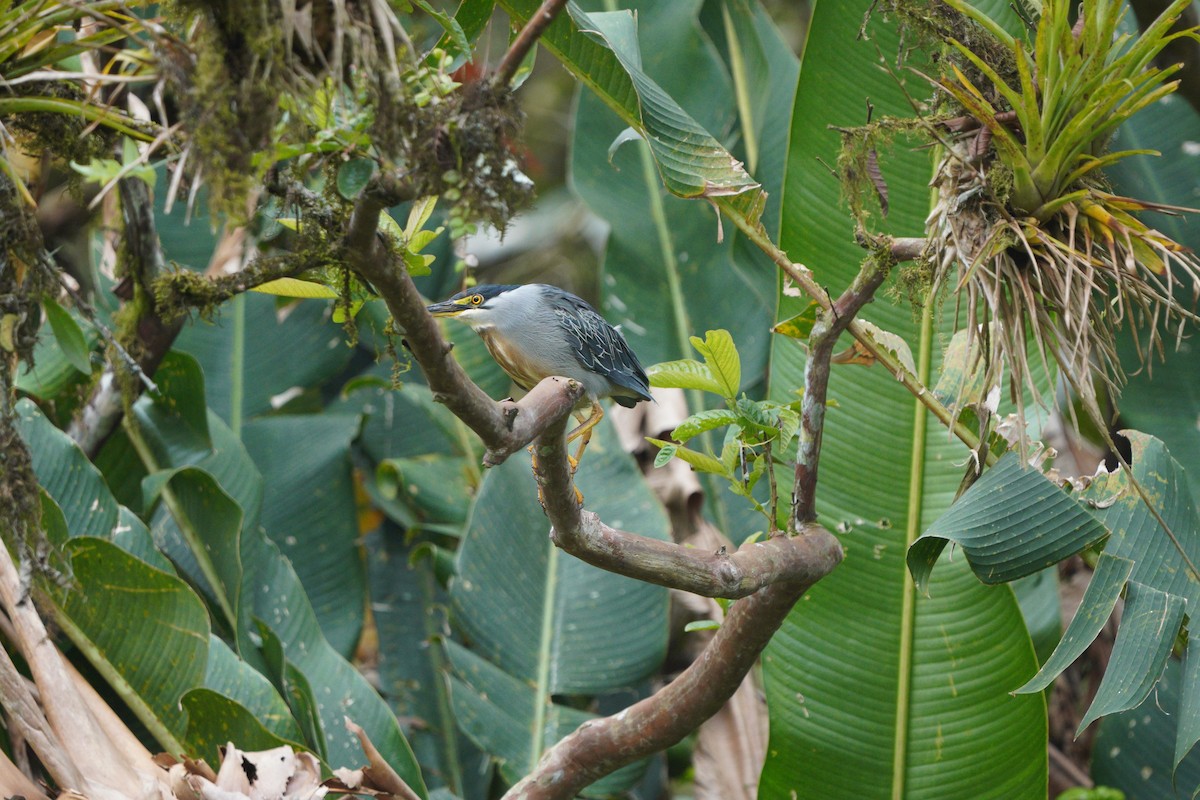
column 507, row 426
column 584, row 535
column 504, row 427
column 601, row 746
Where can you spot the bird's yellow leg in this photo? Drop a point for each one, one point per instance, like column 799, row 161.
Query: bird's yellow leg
column 533, row 460
column 584, row 433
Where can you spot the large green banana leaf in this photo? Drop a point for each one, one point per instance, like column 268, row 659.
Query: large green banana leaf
column 1133, row 750
column 542, row 618
column 667, row 273
column 876, row 690
column 901, row 697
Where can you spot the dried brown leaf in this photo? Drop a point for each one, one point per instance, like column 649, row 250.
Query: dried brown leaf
column 732, row 745
column 14, row 783
column 277, row 773
column 379, row 775
column 876, row 176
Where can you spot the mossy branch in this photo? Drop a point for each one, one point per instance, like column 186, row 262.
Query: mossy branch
column 177, row 293
column 145, row 333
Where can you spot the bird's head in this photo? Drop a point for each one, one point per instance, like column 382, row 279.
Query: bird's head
column 477, row 306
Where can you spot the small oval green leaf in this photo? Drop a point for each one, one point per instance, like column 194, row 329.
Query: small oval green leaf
column 686, row 373
column 702, row 462
column 294, row 287
column 722, row 359
column 701, row 625
column 353, row 177
column 664, row 455
column 703, row 421
column 69, row 335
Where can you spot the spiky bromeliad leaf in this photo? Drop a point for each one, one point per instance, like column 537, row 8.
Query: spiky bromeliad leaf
column 1040, row 246
column 915, row 721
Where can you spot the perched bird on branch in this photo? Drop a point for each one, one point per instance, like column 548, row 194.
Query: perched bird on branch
column 535, row 331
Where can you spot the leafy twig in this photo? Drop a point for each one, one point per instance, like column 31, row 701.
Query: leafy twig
column 803, row 278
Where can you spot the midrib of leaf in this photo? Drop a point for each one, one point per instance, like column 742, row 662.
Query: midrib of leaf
column 741, row 90
column 108, row 117
column 237, row 366
column 190, row 534
column 916, row 490
column 541, row 696
column 118, row 683
column 683, row 325
column 666, row 245
column 441, row 666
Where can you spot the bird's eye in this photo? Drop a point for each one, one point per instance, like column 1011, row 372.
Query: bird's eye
column 476, row 299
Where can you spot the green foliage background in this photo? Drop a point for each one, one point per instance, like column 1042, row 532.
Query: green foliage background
column 240, row 497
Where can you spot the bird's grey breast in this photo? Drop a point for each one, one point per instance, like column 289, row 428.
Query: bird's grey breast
column 526, row 324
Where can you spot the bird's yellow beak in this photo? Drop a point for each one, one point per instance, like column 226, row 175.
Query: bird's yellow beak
column 446, row 308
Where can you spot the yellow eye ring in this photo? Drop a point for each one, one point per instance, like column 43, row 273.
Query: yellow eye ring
column 476, row 299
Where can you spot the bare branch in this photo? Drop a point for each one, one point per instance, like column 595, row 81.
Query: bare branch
column 743, row 572
column 604, row 745
column 803, row 278
column 907, row 248
column 525, row 40
column 829, row 326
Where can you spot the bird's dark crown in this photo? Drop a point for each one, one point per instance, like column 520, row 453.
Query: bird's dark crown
column 487, row 290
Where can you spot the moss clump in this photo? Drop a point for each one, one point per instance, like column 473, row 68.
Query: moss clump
column 21, row 280
column 926, row 26
column 858, row 169
column 21, row 283
column 180, row 291
column 457, row 145
column 229, row 91
column 914, row 280
column 62, row 134
column 21, row 511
